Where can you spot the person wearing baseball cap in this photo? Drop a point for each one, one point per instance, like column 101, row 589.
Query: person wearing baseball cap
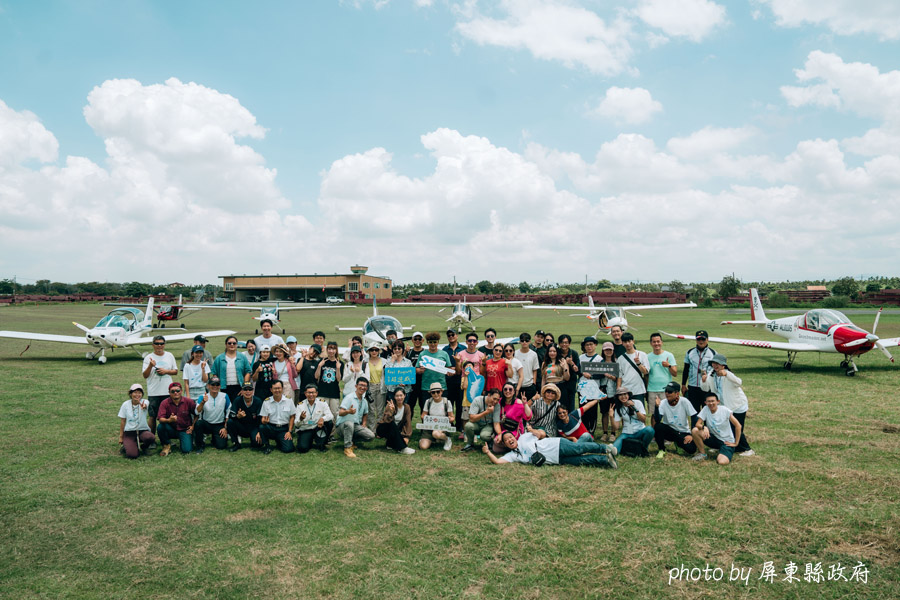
column 728, row 387
column 195, row 373
column 243, row 418
column 696, row 363
column 676, row 418
column 134, row 432
column 454, row 380
column 199, row 340
column 176, row 421
column 212, row 411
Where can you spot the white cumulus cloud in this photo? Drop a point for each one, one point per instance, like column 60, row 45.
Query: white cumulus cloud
column 628, row 105
column 23, row 137
column 845, row 17
column 570, row 34
column 691, row 19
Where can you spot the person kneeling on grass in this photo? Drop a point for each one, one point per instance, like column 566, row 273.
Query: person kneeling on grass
column 727, row 385
column 176, row 418
column 277, row 420
column 314, row 421
column 676, row 417
column 717, row 428
column 556, row 451
column 395, row 425
column 134, row 432
column 436, row 406
column 484, row 418
column 243, row 418
column 353, row 417
column 212, row 414
column 633, row 417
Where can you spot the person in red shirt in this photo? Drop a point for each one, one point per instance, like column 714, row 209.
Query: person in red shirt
column 176, row 418
column 571, row 424
column 497, row 369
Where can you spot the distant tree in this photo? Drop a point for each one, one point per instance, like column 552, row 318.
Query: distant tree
column 604, row 284
column 483, row 287
column 6, row 286
column 136, row 288
column 729, row 286
column 778, row 300
column 845, row 286
column 676, row 286
column 525, row 287
column 835, row 302
column 872, row 287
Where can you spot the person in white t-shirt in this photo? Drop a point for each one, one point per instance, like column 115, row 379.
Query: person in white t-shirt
column 633, row 368
column 134, row 433
column 159, row 366
column 267, row 338
column 676, row 418
column 531, row 364
column 717, row 428
column 632, row 416
column 556, row 451
column 518, row 376
column 195, row 373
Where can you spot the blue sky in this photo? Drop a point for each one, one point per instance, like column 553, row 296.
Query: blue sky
column 500, row 140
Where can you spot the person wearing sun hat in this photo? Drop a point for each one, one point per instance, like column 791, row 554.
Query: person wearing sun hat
column 134, row 432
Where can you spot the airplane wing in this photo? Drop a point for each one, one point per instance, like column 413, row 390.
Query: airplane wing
column 43, row 337
column 336, row 328
column 317, row 307
column 788, row 346
column 743, row 322
column 890, row 342
column 555, row 307
column 504, row 341
column 652, row 306
column 625, row 307
column 182, row 336
column 492, row 303
column 253, row 308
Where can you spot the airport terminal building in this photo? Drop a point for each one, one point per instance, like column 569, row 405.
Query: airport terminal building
column 307, row 288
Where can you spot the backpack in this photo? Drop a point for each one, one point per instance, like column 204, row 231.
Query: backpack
column 633, row 448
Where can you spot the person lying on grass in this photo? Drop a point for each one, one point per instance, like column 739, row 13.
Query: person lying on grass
column 531, row 447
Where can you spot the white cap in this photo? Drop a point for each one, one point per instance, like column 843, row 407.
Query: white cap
column 418, row 333
column 265, row 347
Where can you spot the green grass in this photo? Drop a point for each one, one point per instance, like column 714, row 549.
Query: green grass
column 81, row 521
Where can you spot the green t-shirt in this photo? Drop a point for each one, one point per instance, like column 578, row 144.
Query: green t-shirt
column 659, row 375
column 429, row 376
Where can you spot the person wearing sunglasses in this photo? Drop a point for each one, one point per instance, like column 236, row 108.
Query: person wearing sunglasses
column 497, row 369
column 159, row 366
column 454, row 382
column 232, row 368
column 518, row 369
column 490, row 338
column 696, row 363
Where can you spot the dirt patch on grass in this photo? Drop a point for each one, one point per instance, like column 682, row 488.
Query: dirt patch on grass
column 887, row 428
column 882, row 549
column 246, row 515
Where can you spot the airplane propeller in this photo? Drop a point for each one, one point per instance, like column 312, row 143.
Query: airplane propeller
column 878, row 344
column 480, row 312
column 634, row 314
column 81, row 327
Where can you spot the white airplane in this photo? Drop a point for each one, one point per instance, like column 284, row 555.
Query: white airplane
column 271, row 313
column 817, row 330
column 375, row 328
column 610, row 316
column 461, row 312
column 121, row 328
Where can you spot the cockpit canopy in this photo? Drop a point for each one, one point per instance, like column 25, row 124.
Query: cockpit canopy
column 381, row 324
column 823, row 319
column 126, row 318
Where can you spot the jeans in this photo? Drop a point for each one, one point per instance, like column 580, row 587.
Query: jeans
column 167, row 432
column 276, row 432
column 351, row 431
column 645, row 435
column 577, row 453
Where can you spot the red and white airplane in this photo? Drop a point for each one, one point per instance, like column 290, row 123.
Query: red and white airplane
column 608, row 317
column 167, row 312
column 817, row 330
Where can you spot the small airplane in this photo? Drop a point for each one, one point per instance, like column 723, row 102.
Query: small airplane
column 375, row 328
column 610, row 316
column 817, row 330
column 121, row 328
column 271, row 313
column 461, row 312
column 166, row 312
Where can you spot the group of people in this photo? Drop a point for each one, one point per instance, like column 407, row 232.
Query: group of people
column 539, row 402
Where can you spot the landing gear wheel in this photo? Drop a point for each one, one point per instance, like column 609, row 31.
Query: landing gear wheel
column 102, row 360
column 851, row 372
column 162, row 325
column 283, row 332
column 788, row 366
column 182, row 325
column 844, row 364
column 89, row 355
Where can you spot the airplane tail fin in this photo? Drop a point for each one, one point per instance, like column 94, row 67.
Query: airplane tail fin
column 756, row 308
column 180, row 302
column 591, row 302
column 148, row 315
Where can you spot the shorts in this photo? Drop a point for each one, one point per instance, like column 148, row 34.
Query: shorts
column 154, row 402
column 717, row 444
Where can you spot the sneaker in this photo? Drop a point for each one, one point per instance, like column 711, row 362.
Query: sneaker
column 467, row 448
column 698, row 457
column 747, row 453
column 267, row 450
column 661, row 454
column 348, row 452
column 166, row 450
column 152, row 446
column 199, row 450
column 448, row 444
column 235, row 448
column 611, row 460
column 407, row 450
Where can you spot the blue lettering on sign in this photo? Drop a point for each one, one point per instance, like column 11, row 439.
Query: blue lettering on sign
column 399, row 375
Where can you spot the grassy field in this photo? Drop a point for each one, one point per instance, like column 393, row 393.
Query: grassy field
column 81, row 521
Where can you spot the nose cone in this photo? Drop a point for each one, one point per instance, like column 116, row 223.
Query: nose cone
column 853, row 341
